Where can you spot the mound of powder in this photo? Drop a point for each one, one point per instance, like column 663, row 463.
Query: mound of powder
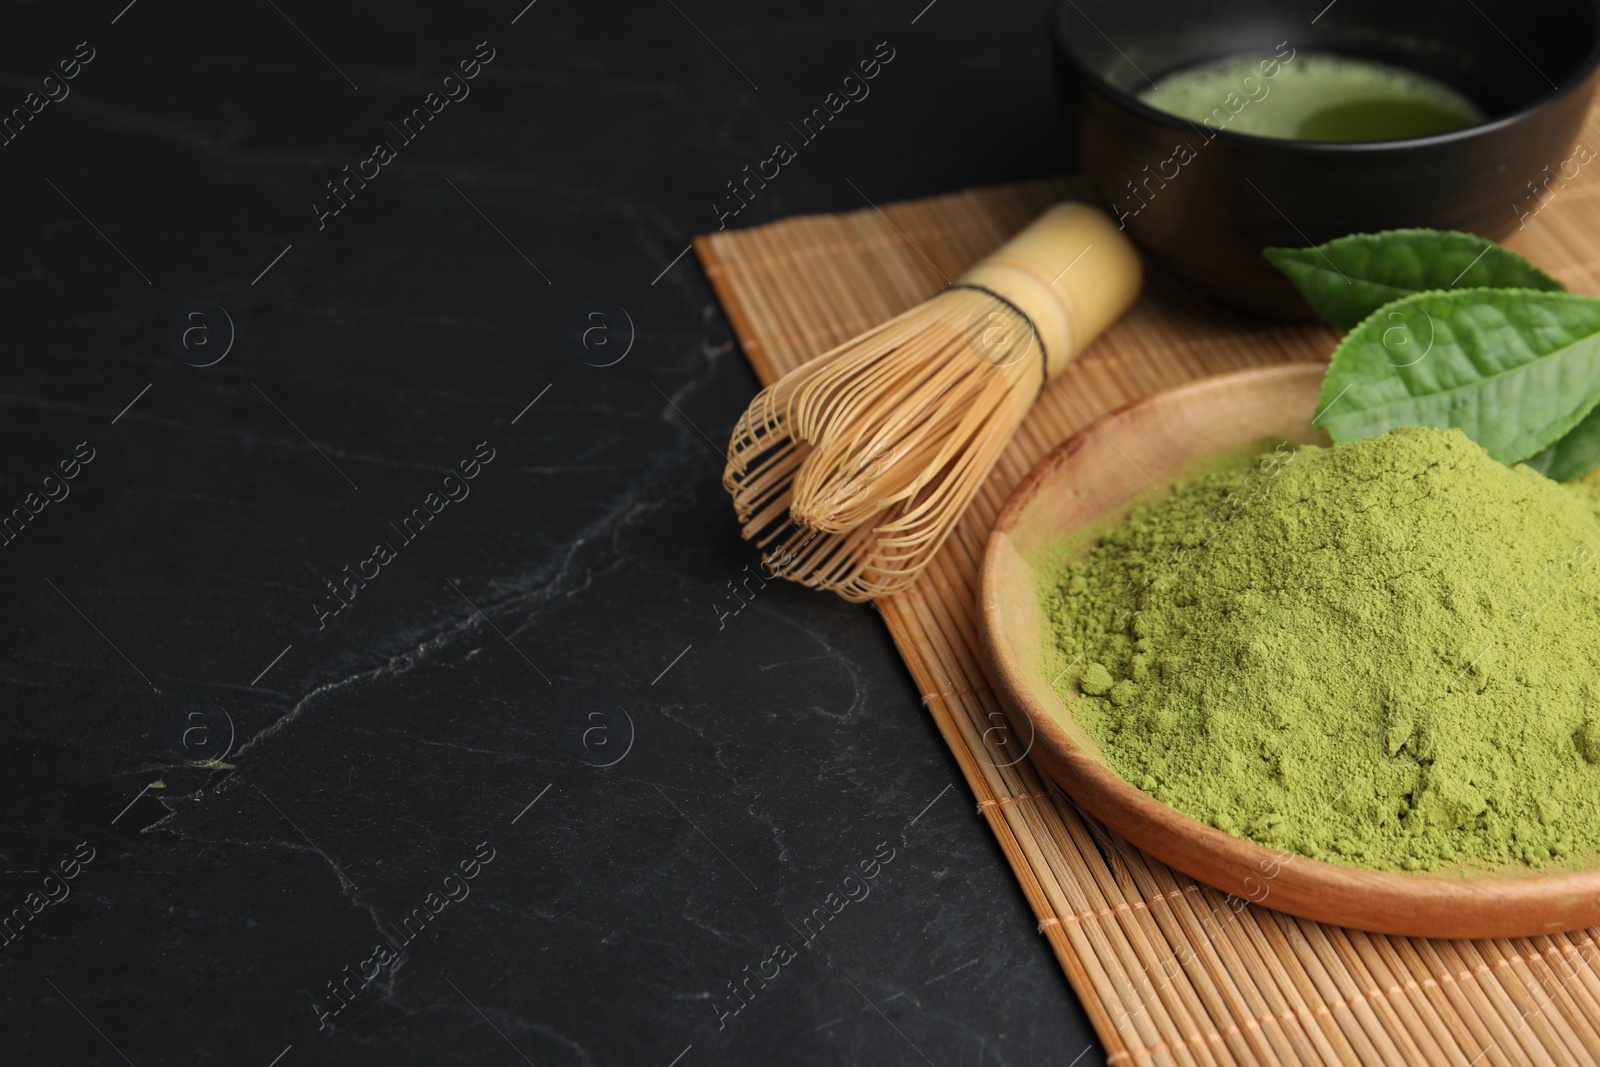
column 1385, row 653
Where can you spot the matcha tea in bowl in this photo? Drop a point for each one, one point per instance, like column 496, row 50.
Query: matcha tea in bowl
column 1217, row 128
column 1524, row 865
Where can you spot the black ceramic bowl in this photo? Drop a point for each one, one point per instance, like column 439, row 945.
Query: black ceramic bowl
column 1529, row 65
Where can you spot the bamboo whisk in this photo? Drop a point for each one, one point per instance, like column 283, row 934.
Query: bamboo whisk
column 852, row 469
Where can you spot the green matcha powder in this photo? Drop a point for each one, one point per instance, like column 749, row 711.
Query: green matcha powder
column 1385, row 653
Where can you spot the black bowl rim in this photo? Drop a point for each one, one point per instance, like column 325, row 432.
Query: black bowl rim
column 1576, row 80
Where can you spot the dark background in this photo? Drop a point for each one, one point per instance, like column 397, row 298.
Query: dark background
column 756, row 759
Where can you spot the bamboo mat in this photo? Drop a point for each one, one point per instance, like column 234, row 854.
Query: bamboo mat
column 1166, row 970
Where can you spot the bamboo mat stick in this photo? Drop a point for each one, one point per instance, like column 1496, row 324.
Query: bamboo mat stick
column 1169, row 971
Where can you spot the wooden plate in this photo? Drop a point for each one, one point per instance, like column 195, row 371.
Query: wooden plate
column 1089, row 479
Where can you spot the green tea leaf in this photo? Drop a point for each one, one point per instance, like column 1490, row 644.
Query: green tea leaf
column 1574, row 455
column 1348, row 279
column 1513, row 369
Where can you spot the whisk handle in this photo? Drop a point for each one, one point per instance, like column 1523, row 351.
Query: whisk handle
column 1071, row 272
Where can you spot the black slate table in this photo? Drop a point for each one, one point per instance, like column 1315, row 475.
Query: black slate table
column 369, row 687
